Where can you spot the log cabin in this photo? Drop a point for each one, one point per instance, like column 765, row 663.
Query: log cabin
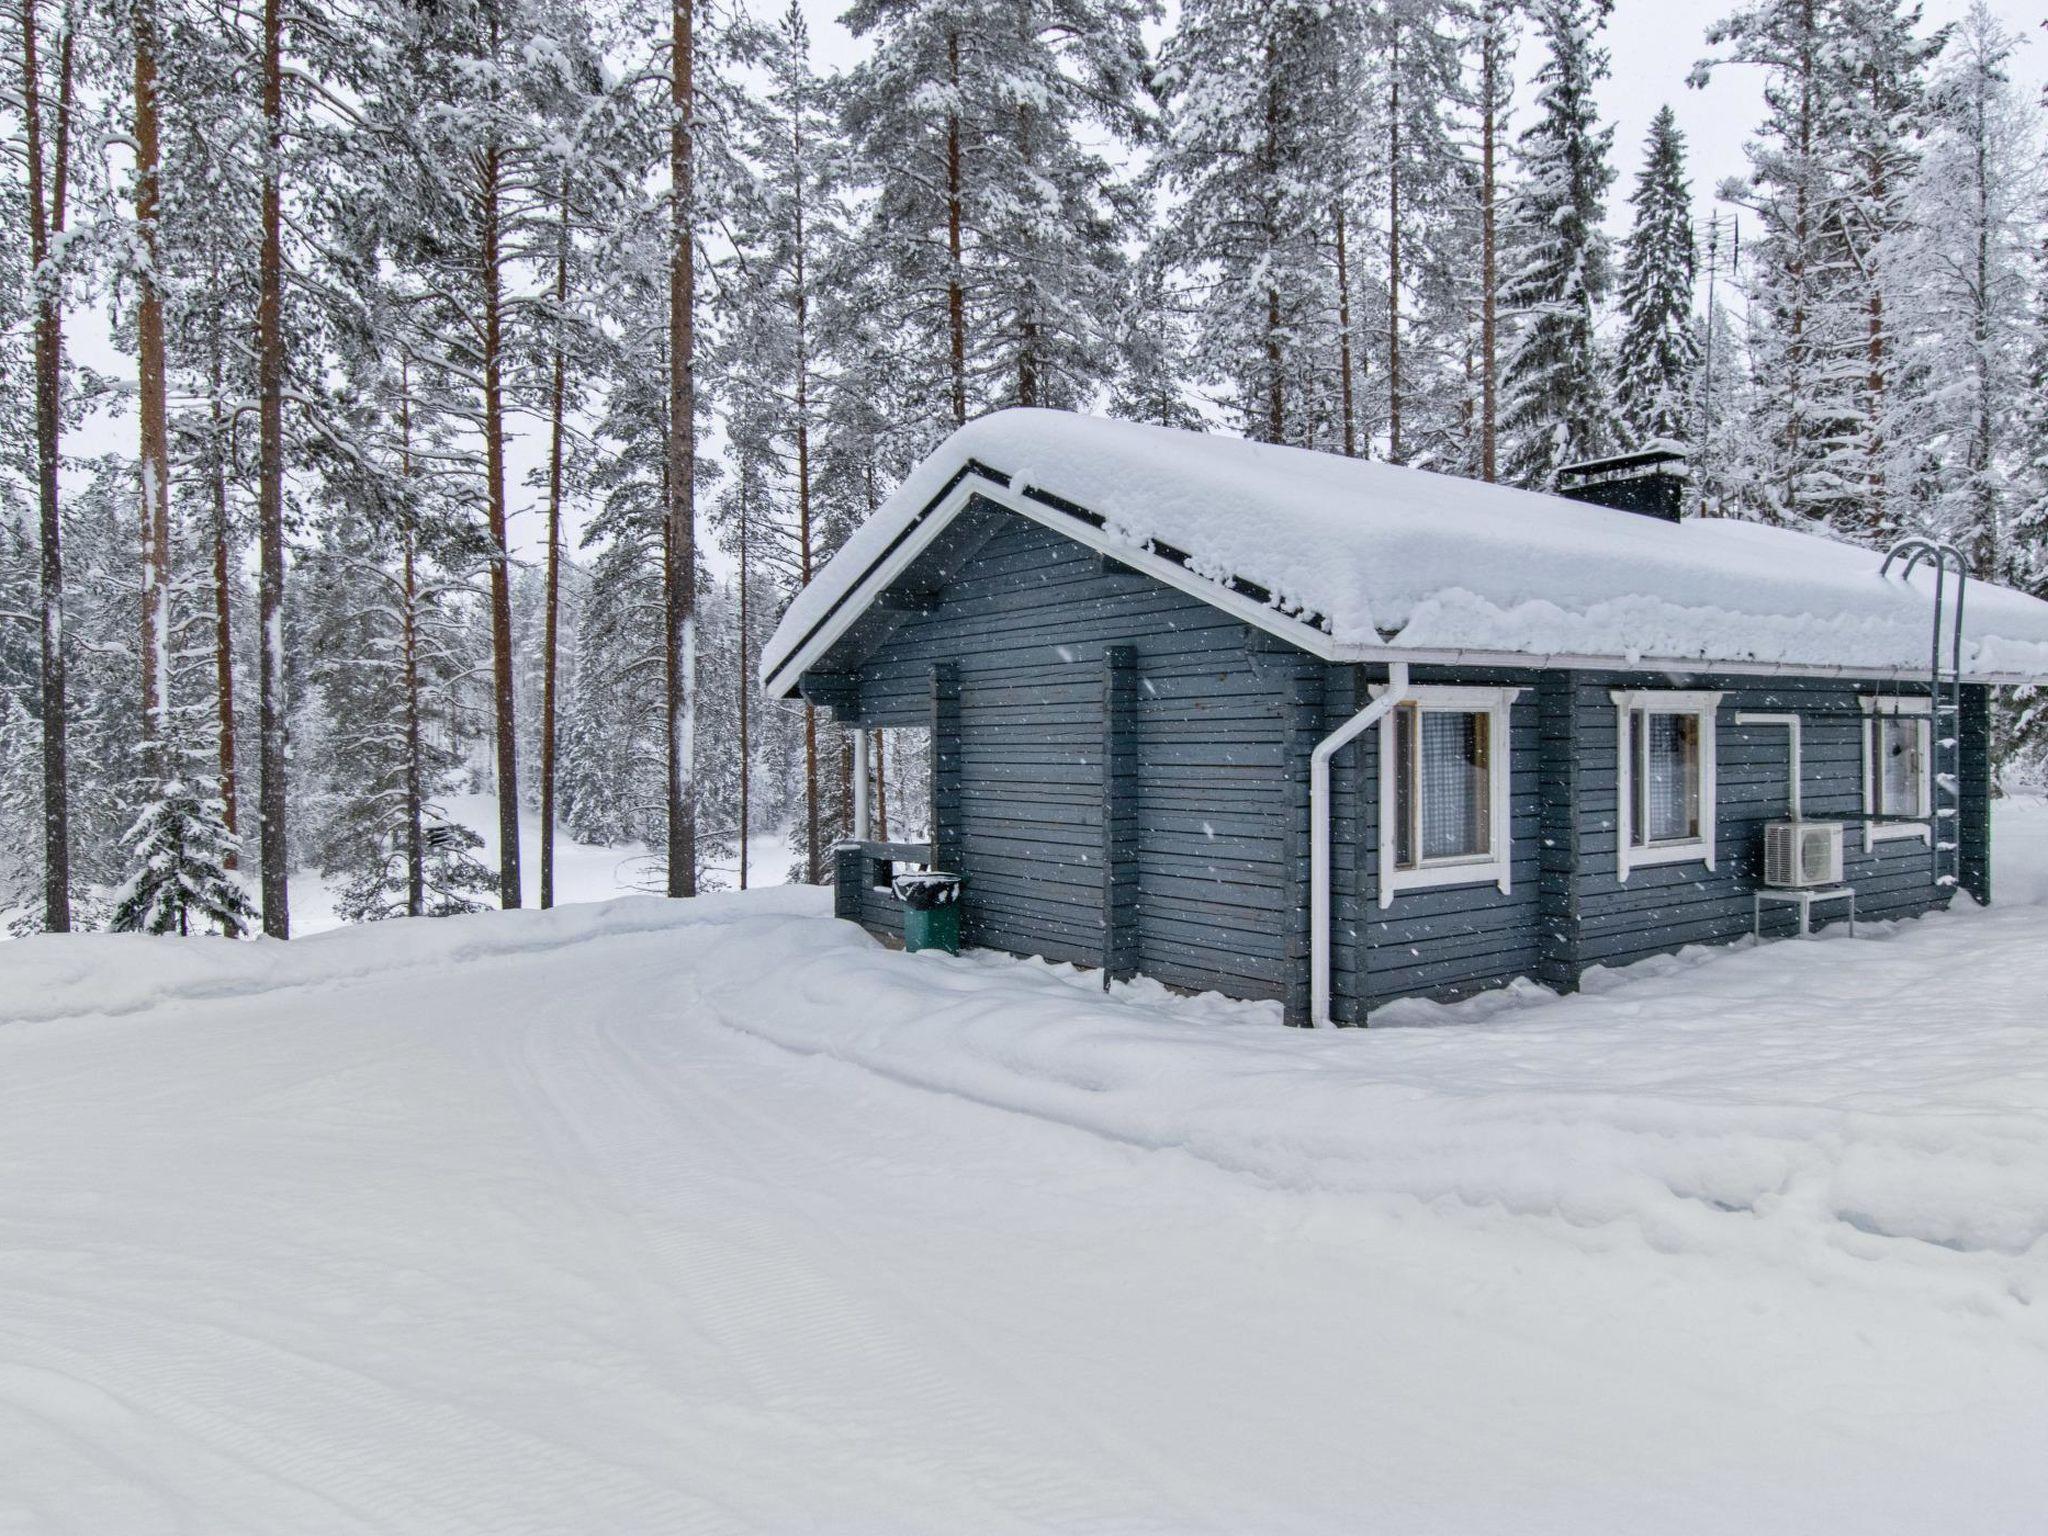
column 1291, row 726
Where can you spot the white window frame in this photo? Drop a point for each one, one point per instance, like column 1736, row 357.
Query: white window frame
column 1705, row 706
column 1921, row 710
column 1496, row 866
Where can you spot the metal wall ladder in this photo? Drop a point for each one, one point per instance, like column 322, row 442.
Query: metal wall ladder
column 1945, row 684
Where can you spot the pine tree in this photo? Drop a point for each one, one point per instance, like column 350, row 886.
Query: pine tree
column 46, row 123
column 1002, row 226
column 1492, row 40
column 1420, row 86
column 1244, row 171
column 775, row 355
column 1658, row 356
column 1884, row 117
column 1558, row 406
column 181, row 883
column 1843, row 93
column 1963, row 268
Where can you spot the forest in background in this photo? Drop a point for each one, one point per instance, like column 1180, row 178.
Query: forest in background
column 392, row 272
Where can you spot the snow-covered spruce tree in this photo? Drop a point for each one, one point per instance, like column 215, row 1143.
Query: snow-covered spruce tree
column 1419, row 87
column 1490, row 48
column 1558, row 405
column 974, row 124
column 1153, row 344
column 387, row 614
column 1656, row 361
column 466, row 116
column 1883, row 123
column 99, row 615
column 613, row 752
column 1793, row 258
column 1244, row 176
column 2020, row 724
column 1964, row 265
column 181, row 881
column 774, row 353
column 1828, row 170
column 21, row 817
column 21, row 786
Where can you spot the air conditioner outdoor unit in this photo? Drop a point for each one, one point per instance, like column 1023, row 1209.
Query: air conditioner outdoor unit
column 1802, row 853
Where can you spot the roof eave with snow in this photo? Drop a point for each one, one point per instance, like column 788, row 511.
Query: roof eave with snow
column 1144, row 496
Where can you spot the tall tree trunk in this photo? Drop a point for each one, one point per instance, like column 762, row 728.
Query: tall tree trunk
column 956, row 282
column 1796, row 269
column 1028, row 386
column 746, row 688
column 1875, row 381
column 46, row 200
column 1276, row 397
column 1989, row 552
column 1490, row 68
column 814, row 869
column 415, row 775
column 680, row 574
column 271, row 763
column 223, row 631
column 1394, row 251
column 550, row 660
column 491, row 276
column 151, row 410
column 1344, row 362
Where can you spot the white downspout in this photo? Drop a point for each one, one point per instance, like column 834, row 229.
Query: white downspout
column 1319, row 834
column 861, row 820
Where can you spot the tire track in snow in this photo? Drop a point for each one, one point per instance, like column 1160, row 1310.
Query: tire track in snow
column 670, row 1109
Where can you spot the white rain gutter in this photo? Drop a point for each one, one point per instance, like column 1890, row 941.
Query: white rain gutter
column 1319, row 834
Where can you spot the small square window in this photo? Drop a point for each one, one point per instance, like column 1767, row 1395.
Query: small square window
column 1444, row 790
column 1897, row 769
column 1442, row 785
column 1666, row 790
column 1667, row 778
column 1898, row 748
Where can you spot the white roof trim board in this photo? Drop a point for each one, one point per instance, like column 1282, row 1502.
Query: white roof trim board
column 1355, row 560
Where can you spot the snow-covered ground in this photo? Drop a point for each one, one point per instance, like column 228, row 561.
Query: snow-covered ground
column 654, row 1217
column 582, row 872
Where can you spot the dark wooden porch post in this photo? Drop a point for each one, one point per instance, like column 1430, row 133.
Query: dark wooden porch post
column 1559, row 758
column 946, row 768
column 1301, row 714
column 1973, row 811
column 1119, row 814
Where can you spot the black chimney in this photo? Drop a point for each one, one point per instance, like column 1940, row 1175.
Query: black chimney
column 1650, row 481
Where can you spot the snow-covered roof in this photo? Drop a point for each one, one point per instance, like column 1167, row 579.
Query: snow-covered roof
column 1358, row 560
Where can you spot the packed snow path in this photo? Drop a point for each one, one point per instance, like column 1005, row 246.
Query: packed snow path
column 717, row 1217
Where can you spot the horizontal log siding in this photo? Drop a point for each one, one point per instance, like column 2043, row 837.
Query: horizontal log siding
column 1223, row 721
column 1460, row 938
column 1027, row 616
column 1663, row 907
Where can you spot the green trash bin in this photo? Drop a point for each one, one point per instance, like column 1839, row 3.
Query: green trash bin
column 931, row 910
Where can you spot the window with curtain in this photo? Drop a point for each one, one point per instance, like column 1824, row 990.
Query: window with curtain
column 1666, row 774
column 1443, row 785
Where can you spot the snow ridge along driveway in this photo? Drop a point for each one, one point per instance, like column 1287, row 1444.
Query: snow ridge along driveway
column 655, row 1217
